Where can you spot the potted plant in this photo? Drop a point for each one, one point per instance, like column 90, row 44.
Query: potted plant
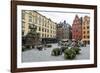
column 77, row 50
column 69, row 54
column 56, row 52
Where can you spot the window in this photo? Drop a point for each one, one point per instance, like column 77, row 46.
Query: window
column 42, row 35
column 51, row 27
column 76, row 30
column 84, row 36
column 88, row 37
column 34, row 19
column 45, row 24
column 87, row 27
column 45, row 30
column 30, row 18
column 88, row 42
column 51, row 31
column 84, row 32
column 47, row 35
column 88, row 32
column 42, row 30
column 22, row 32
column 39, row 29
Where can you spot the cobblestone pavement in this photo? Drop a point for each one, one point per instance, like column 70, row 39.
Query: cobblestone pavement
column 34, row 55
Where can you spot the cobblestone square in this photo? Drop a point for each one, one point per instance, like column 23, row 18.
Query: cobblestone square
column 34, row 55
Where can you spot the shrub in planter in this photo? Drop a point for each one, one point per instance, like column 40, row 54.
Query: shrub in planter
column 77, row 50
column 56, row 52
column 63, row 48
column 39, row 47
column 69, row 54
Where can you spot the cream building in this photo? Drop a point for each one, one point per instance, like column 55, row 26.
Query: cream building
column 45, row 26
column 86, row 30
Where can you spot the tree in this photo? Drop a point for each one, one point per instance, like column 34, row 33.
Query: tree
column 32, row 38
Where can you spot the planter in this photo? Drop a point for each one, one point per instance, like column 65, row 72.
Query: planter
column 56, row 52
column 69, row 54
column 77, row 50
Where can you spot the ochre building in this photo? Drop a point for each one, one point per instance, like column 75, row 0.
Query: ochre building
column 86, row 30
column 45, row 26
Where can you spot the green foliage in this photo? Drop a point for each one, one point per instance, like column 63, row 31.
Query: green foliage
column 77, row 50
column 32, row 32
column 56, row 52
column 69, row 54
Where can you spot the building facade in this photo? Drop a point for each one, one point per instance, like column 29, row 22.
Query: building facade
column 86, row 30
column 63, row 31
column 60, row 32
column 77, row 28
column 45, row 26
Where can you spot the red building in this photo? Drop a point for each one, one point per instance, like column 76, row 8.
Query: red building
column 77, row 28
